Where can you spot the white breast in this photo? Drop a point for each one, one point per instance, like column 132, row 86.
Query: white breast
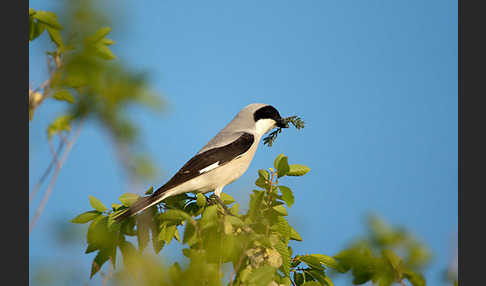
column 262, row 126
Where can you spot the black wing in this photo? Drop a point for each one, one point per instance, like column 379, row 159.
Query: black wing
column 220, row 155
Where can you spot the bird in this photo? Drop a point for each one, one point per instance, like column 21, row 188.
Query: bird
column 224, row 159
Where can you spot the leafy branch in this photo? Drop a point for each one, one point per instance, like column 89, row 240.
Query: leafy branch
column 59, row 164
column 83, row 76
column 255, row 243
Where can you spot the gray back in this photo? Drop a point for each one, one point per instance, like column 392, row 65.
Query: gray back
column 242, row 122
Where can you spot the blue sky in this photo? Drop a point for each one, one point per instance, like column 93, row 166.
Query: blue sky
column 375, row 82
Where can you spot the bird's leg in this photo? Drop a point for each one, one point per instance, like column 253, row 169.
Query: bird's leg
column 218, row 199
column 216, row 195
column 211, row 200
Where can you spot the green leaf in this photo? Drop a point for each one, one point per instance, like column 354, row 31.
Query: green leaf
column 280, row 209
column 414, row 278
column 48, row 18
column 245, row 274
column 256, row 200
column 193, row 209
column 395, row 262
column 175, row 273
column 99, row 34
column 392, row 258
column 227, row 225
column 282, row 165
column 128, row 226
column 297, row 170
column 234, row 209
column 235, row 221
column 330, row 262
column 31, row 11
column 284, row 252
column 116, row 206
column 118, row 212
column 277, row 160
column 149, row 191
column 189, row 234
column 200, row 200
column 127, row 250
column 175, row 215
column 294, row 235
column 285, row 281
column 227, row 199
column 104, row 52
column 107, row 42
column 97, row 204
column 283, row 228
column 91, row 248
column 209, row 217
column 94, row 227
column 261, row 276
column 32, row 25
column 98, row 233
column 35, row 28
column 63, row 95
column 39, row 28
column 262, row 183
column 62, row 123
column 287, row 195
column 311, row 283
column 328, row 281
column 98, row 262
column 55, row 36
column 312, row 262
column 167, row 233
column 86, row 217
column 299, row 278
column 264, row 174
column 142, row 234
column 112, row 223
column 318, row 275
column 157, row 244
column 128, row 199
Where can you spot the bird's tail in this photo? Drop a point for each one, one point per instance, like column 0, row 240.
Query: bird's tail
column 140, row 205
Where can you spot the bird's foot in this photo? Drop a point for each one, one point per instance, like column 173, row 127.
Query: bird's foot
column 218, row 200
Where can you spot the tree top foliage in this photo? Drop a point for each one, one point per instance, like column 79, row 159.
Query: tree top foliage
column 255, row 243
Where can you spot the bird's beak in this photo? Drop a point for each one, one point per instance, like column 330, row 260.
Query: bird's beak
column 281, row 123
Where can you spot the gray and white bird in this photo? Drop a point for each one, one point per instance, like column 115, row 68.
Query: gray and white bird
column 221, row 161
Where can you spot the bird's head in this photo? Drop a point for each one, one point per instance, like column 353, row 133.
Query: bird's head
column 265, row 117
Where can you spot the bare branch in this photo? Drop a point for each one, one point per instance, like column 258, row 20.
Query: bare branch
column 54, row 177
column 48, row 170
column 39, row 94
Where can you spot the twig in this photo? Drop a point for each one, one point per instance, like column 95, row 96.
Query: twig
column 106, row 277
column 43, row 85
column 269, row 198
column 46, row 172
column 295, row 120
column 220, row 202
column 237, row 268
column 34, row 101
column 54, row 178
